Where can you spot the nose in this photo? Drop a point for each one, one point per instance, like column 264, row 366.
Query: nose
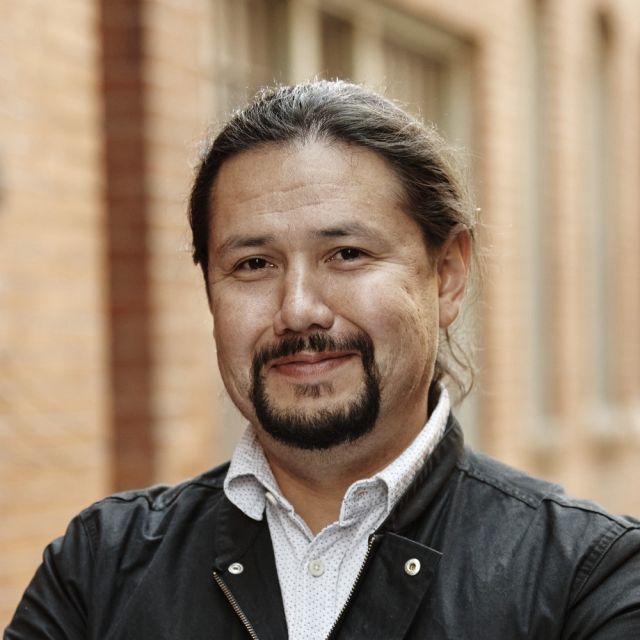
column 303, row 306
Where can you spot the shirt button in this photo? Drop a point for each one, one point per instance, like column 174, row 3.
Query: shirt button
column 271, row 498
column 316, row 568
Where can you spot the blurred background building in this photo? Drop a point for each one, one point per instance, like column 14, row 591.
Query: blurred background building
column 107, row 367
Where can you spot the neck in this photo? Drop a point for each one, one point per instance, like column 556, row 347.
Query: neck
column 315, row 482
column 316, row 497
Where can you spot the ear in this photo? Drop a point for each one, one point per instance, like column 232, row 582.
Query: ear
column 453, row 269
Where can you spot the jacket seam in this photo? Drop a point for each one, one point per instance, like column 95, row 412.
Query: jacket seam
column 88, row 534
column 509, row 491
column 535, row 502
column 596, row 557
column 158, row 504
column 92, row 554
column 613, row 519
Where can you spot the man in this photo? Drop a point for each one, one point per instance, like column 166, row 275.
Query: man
column 335, row 241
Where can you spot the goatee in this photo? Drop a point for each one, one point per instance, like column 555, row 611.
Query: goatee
column 323, row 428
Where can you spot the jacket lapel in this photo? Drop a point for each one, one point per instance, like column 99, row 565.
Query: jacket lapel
column 429, row 482
column 391, row 590
column 256, row 589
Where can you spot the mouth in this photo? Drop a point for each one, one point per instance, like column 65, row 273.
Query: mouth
column 311, row 364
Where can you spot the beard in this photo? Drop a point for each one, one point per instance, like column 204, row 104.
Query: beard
column 327, row 427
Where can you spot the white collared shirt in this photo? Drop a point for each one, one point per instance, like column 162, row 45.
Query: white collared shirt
column 317, row 573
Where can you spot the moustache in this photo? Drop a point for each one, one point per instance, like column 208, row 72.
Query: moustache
column 315, row 342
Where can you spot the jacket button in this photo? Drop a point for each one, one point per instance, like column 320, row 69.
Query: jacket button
column 236, row 568
column 412, row 566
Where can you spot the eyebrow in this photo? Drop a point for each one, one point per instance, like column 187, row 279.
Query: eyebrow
column 344, row 230
column 243, row 242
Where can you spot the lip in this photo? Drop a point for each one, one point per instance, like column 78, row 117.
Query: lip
column 302, row 365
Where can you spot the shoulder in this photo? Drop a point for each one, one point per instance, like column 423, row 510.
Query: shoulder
column 153, row 511
column 531, row 532
column 90, row 575
column 505, row 484
column 563, row 533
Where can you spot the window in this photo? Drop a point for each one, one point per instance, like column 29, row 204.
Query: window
column 249, row 49
column 337, row 47
column 602, row 221
column 541, row 248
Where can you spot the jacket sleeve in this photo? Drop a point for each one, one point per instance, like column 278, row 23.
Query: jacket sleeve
column 607, row 603
column 54, row 606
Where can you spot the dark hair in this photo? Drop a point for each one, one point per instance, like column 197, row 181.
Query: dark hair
column 434, row 193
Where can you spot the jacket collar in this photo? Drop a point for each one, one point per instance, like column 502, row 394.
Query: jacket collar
column 429, row 480
column 236, row 532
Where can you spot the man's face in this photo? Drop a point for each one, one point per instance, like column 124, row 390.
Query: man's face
column 325, row 301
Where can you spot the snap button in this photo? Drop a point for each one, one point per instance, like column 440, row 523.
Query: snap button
column 412, row 566
column 236, row 568
column 316, row 568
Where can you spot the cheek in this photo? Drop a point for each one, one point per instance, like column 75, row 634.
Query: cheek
column 242, row 319
column 228, row 353
column 403, row 323
column 234, row 335
column 410, row 329
column 237, row 317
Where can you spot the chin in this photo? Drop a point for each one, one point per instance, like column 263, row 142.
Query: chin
column 319, row 428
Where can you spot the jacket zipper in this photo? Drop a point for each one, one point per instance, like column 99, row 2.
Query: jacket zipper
column 372, row 539
column 236, row 607
column 245, row 621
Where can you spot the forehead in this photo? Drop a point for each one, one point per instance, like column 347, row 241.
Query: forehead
column 333, row 178
column 303, row 160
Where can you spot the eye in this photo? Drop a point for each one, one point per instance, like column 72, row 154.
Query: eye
column 253, row 264
column 348, row 254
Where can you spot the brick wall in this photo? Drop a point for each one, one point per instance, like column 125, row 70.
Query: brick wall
column 53, row 405
column 179, row 101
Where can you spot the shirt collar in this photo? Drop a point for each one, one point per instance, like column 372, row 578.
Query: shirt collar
column 400, row 473
column 250, row 478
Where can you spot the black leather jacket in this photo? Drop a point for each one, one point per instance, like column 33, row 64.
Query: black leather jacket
column 501, row 556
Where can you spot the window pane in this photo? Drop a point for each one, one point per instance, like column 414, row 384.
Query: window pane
column 415, row 79
column 250, row 48
column 337, row 47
